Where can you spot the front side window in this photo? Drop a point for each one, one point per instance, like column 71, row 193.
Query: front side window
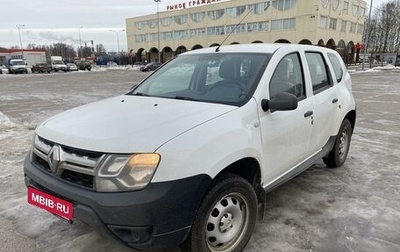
column 288, row 77
column 229, row 78
column 318, row 71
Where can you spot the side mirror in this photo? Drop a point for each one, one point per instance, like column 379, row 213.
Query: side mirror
column 281, row 101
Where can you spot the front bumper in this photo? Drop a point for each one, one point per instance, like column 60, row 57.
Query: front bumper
column 19, row 70
column 158, row 216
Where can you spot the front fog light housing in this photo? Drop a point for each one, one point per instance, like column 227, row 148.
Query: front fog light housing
column 126, row 173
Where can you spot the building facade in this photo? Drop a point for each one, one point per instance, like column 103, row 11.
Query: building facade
column 336, row 24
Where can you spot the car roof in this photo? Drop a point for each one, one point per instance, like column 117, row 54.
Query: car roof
column 253, row 48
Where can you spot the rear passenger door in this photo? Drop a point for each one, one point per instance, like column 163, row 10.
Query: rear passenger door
column 325, row 99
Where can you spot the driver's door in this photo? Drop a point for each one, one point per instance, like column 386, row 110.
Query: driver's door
column 286, row 134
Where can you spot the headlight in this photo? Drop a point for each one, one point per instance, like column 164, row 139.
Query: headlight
column 125, row 173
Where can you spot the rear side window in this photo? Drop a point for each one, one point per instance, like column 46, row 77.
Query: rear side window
column 337, row 67
column 318, row 71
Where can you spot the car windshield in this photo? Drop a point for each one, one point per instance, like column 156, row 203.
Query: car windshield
column 17, row 63
column 58, row 62
column 226, row 78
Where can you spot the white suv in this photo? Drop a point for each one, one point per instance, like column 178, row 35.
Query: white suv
column 187, row 156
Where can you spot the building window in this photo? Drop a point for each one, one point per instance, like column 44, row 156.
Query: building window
column 236, row 11
column 335, row 4
column 216, row 14
column 257, row 26
column 166, row 21
column 353, row 27
column 166, row 36
column 283, row 4
column 324, row 3
column 343, row 28
column 360, row 29
column 197, row 17
column 216, row 30
column 355, row 10
column 332, row 23
column 283, row 24
column 322, row 22
column 153, row 37
column 152, row 23
column 180, row 34
column 259, row 8
column 141, row 38
column 346, row 7
column 140, row 25
column 362, row 11
column 198, row 32
column 182, row 19
column 240, row 28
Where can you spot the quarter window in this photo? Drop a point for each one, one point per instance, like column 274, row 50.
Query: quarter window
column 337, row 67
column 288, row 77
column 318, row 72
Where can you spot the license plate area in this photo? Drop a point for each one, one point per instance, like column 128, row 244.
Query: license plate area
column 50, row 203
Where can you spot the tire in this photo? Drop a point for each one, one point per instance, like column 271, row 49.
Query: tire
column 221, row 223
column 337, row 156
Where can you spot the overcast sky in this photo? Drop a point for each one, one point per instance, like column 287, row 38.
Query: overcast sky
column 51, row 21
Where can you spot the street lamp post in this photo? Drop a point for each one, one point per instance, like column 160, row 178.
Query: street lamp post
column 80, row 42
column 117, row 34
column 366, row 37
column 158, row 30
column 20, row 40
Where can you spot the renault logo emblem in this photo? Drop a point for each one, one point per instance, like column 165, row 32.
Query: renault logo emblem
column 55, row 156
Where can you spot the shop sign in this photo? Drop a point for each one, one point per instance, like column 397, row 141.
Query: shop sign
column 189, row 4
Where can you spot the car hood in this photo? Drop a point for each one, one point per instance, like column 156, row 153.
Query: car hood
column 127, row 124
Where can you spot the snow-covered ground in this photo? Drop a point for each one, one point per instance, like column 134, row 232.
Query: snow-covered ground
column 353, row 208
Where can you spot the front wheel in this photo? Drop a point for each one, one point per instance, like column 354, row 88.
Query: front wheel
column 338, row 154
column 226, row 217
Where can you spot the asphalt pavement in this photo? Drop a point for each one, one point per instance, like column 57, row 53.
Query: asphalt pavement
column 352, row 208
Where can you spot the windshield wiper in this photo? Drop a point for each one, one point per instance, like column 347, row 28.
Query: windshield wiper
column 185, row 98
column 140, row 94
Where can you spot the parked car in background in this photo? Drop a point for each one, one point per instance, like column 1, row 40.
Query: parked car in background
column 3, row 69
column 57, row 64
column 138, row 64
column 84, row 65
column 17, row 66
column 41, row 68
column 150, row 67
column 397, row 62
column 72, row 67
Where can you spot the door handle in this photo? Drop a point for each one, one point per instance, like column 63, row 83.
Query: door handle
column 335, row 100
column 308, row 113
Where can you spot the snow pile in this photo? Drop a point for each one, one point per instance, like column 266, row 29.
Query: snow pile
column 387, row 67
column 5, row 122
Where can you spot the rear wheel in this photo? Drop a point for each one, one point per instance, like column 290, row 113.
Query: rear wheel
column 338, row 154
column 226, row 217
